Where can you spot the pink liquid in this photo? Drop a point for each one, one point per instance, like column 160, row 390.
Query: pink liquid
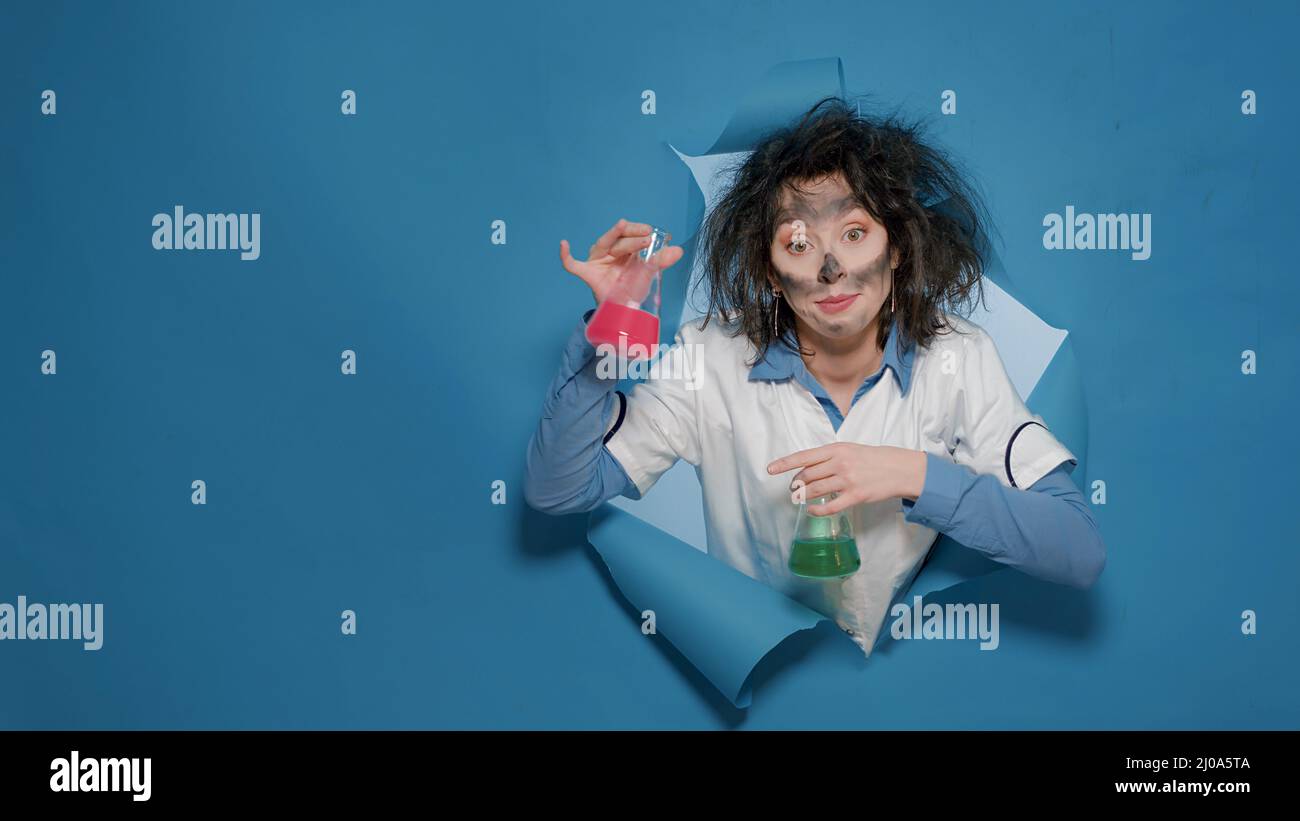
column 613, row 322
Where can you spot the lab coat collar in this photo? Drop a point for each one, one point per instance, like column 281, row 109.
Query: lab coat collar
column 781, row 362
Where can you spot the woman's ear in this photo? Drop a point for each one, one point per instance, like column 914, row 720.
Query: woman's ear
column 772, row 281
column 893, row 257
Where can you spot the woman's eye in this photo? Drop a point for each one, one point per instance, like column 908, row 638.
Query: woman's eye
column 803, row 246
column 857, row 231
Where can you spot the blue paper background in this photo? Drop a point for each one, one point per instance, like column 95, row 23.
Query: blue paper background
column 372, row 493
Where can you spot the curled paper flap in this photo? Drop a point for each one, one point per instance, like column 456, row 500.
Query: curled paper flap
column 721, row 620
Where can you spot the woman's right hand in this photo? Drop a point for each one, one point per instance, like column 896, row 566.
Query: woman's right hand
column 614, row 249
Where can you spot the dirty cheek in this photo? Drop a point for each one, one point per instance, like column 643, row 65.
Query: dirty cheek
column 873, row 273
column 792, row 286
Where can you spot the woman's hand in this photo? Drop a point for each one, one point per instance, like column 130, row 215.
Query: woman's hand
column 611, row 252
column 858, row 473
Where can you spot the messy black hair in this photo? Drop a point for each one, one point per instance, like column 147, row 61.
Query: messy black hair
column 934, row 218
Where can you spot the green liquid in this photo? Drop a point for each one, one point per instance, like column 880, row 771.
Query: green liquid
column 824, row 558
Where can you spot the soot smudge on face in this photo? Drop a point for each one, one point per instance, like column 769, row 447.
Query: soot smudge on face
column 792, row 285
column 830, row 266
column 800, row 293
column 872, row 272
column 860, row 279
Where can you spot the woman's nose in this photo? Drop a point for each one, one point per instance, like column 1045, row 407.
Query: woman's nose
column 831, row 270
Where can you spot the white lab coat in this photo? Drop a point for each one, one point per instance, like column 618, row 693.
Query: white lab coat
column 701, row 407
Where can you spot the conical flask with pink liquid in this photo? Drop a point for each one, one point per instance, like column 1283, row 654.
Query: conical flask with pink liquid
column 628, row 317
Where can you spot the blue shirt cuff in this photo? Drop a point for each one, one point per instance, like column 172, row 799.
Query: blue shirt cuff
column 945, row 483
column 578, row 350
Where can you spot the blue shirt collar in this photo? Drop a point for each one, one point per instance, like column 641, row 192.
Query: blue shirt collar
column 780, row 362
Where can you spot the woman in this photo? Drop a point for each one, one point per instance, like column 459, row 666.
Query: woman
column 827, row 362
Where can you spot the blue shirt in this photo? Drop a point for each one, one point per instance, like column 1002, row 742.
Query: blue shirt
column 1045, row 530
column 781, row 362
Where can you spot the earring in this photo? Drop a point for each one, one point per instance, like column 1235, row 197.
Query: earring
column 891, row 290
column 776, row 309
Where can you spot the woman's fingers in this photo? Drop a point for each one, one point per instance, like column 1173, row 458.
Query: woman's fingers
column 814, row 472
column 801, row 458
column 661, row 259
column 622, row 228
column 600, row 247
column 821, row 487
column 622, row 240
column 571, row 263
column 629, row 245
column 668, row 256
column 836, row 505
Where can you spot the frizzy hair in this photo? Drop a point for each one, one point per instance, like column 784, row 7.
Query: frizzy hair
column 934, row 218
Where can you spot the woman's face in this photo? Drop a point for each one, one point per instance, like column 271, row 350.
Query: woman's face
column 837, row 278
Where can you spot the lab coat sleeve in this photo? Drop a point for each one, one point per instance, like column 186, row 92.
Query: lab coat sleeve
column 992, row 430
column 660, row 421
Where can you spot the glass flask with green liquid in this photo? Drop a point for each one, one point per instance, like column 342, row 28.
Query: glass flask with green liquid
column 823, row 545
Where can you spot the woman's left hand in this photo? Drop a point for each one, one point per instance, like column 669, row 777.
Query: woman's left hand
column 858, row 473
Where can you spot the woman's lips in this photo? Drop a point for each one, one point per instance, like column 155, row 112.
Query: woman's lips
column 836, row 304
